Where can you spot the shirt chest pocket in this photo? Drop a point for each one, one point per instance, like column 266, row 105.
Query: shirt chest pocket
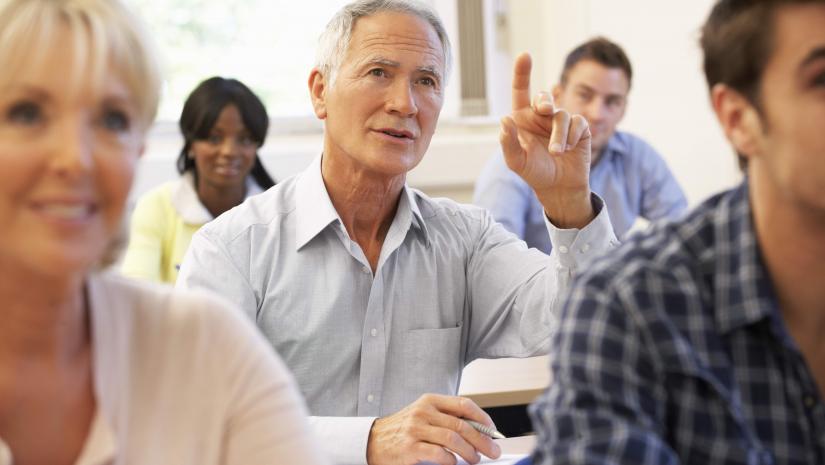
column 431, row 361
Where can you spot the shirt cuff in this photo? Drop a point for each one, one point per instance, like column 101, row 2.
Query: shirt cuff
column 575, row 246
column 343, row 438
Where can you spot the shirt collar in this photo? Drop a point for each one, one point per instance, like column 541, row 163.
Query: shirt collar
column 410, row 212
column 744, row 293
column 616, row 146
column 188, row 205
column 314, row 209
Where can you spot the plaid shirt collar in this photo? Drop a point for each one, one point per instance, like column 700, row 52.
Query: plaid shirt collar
column 744, row 291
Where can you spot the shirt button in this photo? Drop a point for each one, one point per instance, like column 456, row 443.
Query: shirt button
column 365, row 269
column 809, row 401
column 563, row 249
column 373, row 332
column 370, row 398
column 585, row 248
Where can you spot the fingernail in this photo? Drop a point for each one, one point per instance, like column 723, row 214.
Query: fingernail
column 556, row 147
column 496, row 448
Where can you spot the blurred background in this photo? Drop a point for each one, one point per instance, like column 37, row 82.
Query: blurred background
column 270, row 46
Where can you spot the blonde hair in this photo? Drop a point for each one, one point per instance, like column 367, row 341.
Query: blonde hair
column 105, row 35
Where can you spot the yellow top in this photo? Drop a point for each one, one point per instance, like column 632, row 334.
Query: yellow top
column 163, row 223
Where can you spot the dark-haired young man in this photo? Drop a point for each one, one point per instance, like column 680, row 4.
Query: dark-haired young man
column 626, row 171
column 703, row 341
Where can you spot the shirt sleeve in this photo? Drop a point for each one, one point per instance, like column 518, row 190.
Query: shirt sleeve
column 662, row 197
column 144, row 253
column 505, row 195
column 606, row 404
column 208, row 265
column 515, row 293
column 344, row 438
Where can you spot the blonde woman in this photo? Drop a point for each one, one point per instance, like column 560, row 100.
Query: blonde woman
column 96, row 369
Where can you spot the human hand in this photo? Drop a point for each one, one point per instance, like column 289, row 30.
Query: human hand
column 550, row 150
column 427, row 429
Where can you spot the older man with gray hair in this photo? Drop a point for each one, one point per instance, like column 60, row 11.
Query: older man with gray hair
column 376, row 295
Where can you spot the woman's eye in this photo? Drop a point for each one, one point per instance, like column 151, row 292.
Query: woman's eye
column 116, row 120
column 246, row 140
column 214, row 140
column 27, row 113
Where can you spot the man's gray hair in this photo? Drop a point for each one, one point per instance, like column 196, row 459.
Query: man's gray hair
column 334, row 41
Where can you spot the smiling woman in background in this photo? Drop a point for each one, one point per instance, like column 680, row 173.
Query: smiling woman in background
column 223, row 124
column 95, row 368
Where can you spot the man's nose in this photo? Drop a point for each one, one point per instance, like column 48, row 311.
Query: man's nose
column 596, row 110
column 401, row 99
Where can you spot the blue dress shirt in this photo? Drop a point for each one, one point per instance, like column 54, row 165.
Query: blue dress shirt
column 672, row 350
column 451, row 286
column 630, row 176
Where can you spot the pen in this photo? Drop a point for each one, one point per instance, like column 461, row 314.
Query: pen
column 488, row 430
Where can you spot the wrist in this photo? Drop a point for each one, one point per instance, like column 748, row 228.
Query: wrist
column 568, row 210
column 371, row 446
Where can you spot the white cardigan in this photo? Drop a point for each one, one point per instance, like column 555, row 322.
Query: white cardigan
column 185, row 378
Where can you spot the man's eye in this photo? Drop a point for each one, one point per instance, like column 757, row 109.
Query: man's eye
column 116, row 120
column 427, row 81
column 26, row 113
column 819, row 80
column 378, row 72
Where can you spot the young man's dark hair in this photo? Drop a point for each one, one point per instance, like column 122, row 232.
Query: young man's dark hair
column 737, row 40
column 602, row 51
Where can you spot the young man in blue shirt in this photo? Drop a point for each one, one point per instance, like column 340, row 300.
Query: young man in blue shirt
column 701, row 341
column 626, row 171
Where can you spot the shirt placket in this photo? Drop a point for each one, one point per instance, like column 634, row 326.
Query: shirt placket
column 812, row 405
column 373, row 352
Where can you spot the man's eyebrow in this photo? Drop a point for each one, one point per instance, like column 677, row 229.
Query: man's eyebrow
column 384, row 61
column 429, row 70
column 817, row 53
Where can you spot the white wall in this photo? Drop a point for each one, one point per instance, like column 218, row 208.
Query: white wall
column 668, row 103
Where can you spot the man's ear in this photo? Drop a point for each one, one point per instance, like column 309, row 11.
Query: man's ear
column 317, row 93
column 740, row 120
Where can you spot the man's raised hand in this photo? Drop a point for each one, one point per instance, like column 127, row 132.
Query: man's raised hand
column 550, row 150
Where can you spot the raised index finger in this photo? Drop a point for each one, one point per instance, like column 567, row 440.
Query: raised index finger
column 521, row 81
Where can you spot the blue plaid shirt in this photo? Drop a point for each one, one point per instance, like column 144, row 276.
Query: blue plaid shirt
column 672, row 350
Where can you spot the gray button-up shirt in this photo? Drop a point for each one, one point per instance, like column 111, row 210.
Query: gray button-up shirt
column 451, row 285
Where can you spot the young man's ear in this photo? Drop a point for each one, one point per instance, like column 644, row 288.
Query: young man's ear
column 317, row 92
column 739, row 119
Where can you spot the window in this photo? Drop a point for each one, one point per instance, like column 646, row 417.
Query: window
column 268, row 44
